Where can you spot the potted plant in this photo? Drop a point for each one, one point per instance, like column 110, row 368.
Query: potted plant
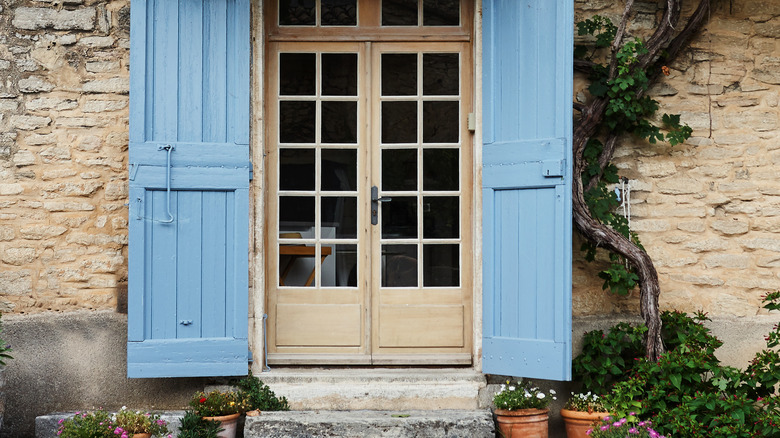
column 581, row 412
column 137, row 424
column 97, row 424
column 258, row 397
column 222, row 406
column 521, row 410
column 194, row 426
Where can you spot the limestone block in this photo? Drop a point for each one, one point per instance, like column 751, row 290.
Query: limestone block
column 768, row 262
column 6, row 233
column 40, row 139
column 102, row 66
column 766, row 224
column 80, row 122
column 5, row 64
column 55, row 153
column 29, row 123
column 707, row 245
column 754, row 283
column 730, row 227
column 650, row 225
column 679, row 186
column 657, row 169
column 762, row 243
column 75, row 189
column 99, row 106
column 101, row 281
column 7, row 189
column 731, row 261
column 45, row 103
column 42, row 18
column 698, row 280
column 23, row 158
column 97, row 41
column 35, row 84
column 87, row 239
column 67, row 40
column 8, row 106
column 18, row 256
column 52, row 174
column 114, row 85
column 767, row 70
column 692, row 226
column 116, row 190
column 15, row 282
column 56, row 206
column 39, row 232
column 756, row 120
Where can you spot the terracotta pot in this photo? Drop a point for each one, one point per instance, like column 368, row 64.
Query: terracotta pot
column 142, row 435
column 577, row 423
column 253, row 413
column 228, row 422
column 522, row 423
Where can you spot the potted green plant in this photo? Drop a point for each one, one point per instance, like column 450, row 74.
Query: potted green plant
column 581, row 412
column 194, row 426
column 96, row 424
column 138, row 424
column 521, row 410
column 222, row 406
column 258, row 397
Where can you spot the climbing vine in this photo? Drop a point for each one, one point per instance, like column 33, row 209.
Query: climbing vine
column 621, row 69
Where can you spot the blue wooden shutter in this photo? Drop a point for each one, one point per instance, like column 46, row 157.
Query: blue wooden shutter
column 526, row 187
column 188, row 209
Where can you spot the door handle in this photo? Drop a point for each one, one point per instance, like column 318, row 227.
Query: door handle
column 375, row 200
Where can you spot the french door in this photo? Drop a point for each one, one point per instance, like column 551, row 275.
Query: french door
column 368, row 218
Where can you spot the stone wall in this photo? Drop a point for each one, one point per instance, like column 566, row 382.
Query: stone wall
column 63, row 154
column 707, row 211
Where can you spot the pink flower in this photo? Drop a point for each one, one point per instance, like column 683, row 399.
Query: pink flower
column 605, row 427
column 62, row 420
column 118, row 431
column 633, row 431
column 589, row 431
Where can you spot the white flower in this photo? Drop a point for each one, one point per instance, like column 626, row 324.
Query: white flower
column 512, row 388
column 527, row 394
column 124, row 408
column 552, row 391
column 540, row 395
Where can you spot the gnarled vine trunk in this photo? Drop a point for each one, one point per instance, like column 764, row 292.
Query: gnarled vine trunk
column 663, row 48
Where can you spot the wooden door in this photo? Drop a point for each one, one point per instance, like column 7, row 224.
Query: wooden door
column 368, row 198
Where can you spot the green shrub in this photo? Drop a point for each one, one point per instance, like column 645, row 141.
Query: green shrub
column 257, row 395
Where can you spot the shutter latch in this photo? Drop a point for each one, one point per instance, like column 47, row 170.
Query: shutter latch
column 552, row 168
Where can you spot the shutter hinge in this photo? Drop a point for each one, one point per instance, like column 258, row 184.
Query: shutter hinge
column 251, row 172
column 249, row 356
column 133, row 171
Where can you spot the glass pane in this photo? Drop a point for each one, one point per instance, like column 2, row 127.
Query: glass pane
column 343, row 272
column 399, row 265
column 399, row 169
column 441, row 217
column 296, row 169
column 440, row 169
column 296, row 121
column 399, row 13
column 297, row 13
column 441, row 12
column 440, row 122
column 297, row 74
column 338, row 13
column 339, row 122
column 339, row 169
column 296, row 213
column 440, row 74
column 441, row 265
column 399, row 74
column 339, row 217
column 339, row 74
column 399, row 122
column 296, row 263
column 399, row 217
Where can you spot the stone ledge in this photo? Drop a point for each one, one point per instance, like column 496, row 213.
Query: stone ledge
column 371, row 424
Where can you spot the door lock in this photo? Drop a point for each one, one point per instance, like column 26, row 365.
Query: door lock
column 375, row 200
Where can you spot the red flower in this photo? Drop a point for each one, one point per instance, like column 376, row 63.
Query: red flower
column 203, row 399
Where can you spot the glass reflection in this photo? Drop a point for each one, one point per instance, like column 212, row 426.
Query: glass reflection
column 296, row 169
column 344, row 270
column 440, row 122
column 399, row 265
column 399, row 169
column 340, row 215
column 441, row 217
column 440, row 74
column 440, row 169
column 297, row 74
column 399, row 74
column 339, row 122
column 296, row 121
column 399, row 122
column 441, row 265
column 399, row 12
column 339, row 170
column 338, row 13
column 399, row 218
column 441, row 12
column 297, row 13
column 339, row 74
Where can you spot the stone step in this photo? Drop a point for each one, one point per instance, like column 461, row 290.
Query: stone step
column 372, row 424
column 377, row 389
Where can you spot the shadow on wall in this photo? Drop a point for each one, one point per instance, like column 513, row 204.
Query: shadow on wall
column 73, row 361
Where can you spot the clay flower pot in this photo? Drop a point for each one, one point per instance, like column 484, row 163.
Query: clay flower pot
column 522, row 423
column 578, row 423
column 228, row 424
column 142, row 435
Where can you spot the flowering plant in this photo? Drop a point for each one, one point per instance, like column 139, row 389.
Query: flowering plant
column 96, row 424
column 585, row 402
column 129, row 422
column 624, row 427
column 521, row 395
column 217, row 403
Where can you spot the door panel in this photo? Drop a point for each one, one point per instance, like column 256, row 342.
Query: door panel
column 369, row 186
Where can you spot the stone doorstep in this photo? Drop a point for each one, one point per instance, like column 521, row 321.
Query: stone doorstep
column 357, row 424
column 376, row 388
